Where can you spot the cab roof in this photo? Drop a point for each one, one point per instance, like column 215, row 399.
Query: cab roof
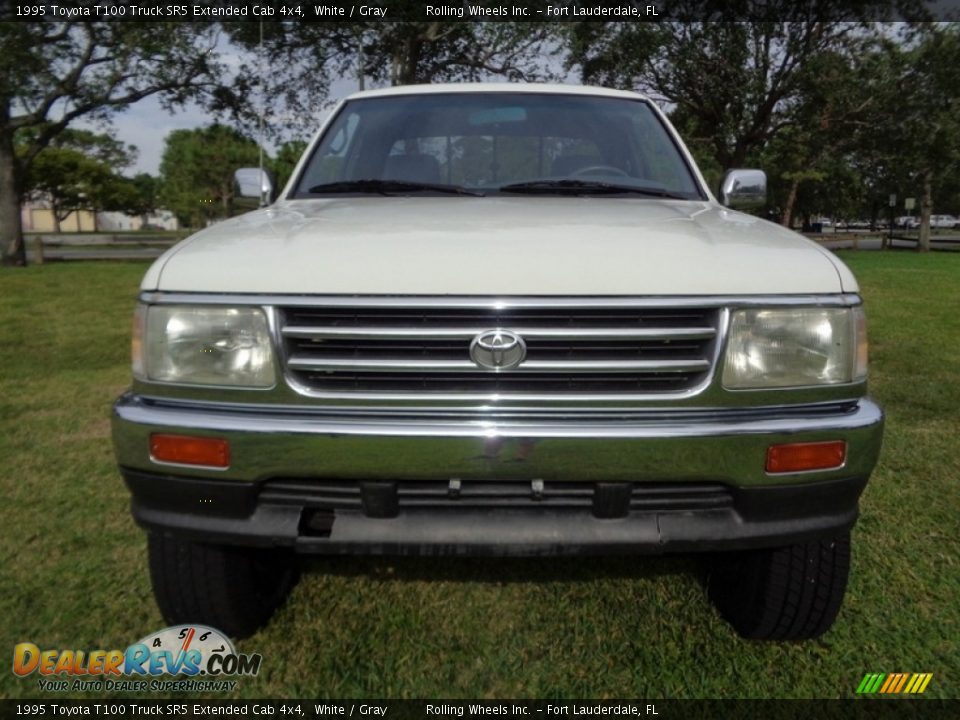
column 498, row 87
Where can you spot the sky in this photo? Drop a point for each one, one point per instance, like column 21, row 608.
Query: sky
column 146, row 124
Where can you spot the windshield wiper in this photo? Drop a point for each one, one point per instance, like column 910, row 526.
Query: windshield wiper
column 575, row 187
column 390, row 187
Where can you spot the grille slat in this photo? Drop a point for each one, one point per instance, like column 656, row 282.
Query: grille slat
column 494, row 382
column 391, row 350
column 324, row 332
column 644, row 497
column 419, row 365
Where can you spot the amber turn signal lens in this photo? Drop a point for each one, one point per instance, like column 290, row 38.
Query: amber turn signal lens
column 187, row 450
column 798, row 457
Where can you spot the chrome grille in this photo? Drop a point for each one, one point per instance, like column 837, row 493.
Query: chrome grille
column 598, row 350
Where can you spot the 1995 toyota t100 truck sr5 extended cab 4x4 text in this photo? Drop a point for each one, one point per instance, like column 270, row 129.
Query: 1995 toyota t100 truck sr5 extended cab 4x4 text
column 499, row 319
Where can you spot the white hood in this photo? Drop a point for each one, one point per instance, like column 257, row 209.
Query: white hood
column 498, row 246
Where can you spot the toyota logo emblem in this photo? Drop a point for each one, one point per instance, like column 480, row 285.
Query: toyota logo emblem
column 498, row 350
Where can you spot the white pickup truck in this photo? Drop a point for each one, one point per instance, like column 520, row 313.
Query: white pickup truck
column 499, row 319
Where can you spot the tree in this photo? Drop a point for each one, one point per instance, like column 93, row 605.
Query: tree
column 735, row 81
column 423, row 52
column 924, row 137
column 303, row 57
column 78, row 170
column 835, row 103
column 61, row 179
column 736, row 84
column 101, row 147
column 142, row 197
column 288, row 154
column 119, row 194
column 54, row 73
column 197, row 168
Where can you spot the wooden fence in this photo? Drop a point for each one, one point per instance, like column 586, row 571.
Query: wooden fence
column 98, row 246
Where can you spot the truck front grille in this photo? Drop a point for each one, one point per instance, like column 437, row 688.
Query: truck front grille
column 426, row 350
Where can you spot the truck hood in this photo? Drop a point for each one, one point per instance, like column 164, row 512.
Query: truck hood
column 498, row 246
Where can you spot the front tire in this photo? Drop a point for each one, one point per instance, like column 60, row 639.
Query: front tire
column 787, row 593
column 234, row 589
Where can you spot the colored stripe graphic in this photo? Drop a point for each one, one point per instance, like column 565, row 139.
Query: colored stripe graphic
column 897, row 684
column 894, row 683
column 870, row 683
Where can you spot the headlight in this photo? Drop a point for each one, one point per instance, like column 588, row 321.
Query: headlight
column 203, row 346
column 795, row 347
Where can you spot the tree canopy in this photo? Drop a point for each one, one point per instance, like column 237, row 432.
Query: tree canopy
column 196, row 172
column 79, row 170
column 54, row 73
column 299, row 60
column 840, row 113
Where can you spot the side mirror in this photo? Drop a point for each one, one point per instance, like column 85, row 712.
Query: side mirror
column 253, row 183
column 744, row 189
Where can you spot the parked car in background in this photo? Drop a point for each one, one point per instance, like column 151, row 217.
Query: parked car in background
column 944, row 221
column 937, row 222
column 819, row 225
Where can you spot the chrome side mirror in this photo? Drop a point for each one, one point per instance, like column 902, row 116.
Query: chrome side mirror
column 253, row 183
column 744, row 189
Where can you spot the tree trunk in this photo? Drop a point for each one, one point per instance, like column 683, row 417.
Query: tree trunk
column 12, row 250
column 787, row 216
column 926, row 209
column 406, row 61
column 361, row 62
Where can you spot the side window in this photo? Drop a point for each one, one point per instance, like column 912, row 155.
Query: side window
column 330, row 166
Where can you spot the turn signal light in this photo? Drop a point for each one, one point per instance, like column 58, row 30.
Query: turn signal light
column 798, row 457
column 187, row 450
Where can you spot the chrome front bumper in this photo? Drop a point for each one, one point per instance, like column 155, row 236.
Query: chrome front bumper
column 727, row 446
column 670, row 448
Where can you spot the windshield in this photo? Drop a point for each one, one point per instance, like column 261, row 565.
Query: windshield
column 483, row 143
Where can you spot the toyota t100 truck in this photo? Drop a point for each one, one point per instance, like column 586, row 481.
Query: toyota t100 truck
column 500, row 319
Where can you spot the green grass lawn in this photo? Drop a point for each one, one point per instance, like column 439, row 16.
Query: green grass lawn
column 73, row 571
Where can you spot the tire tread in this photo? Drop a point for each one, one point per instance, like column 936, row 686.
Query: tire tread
column 235, row 590
column 787, row 593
